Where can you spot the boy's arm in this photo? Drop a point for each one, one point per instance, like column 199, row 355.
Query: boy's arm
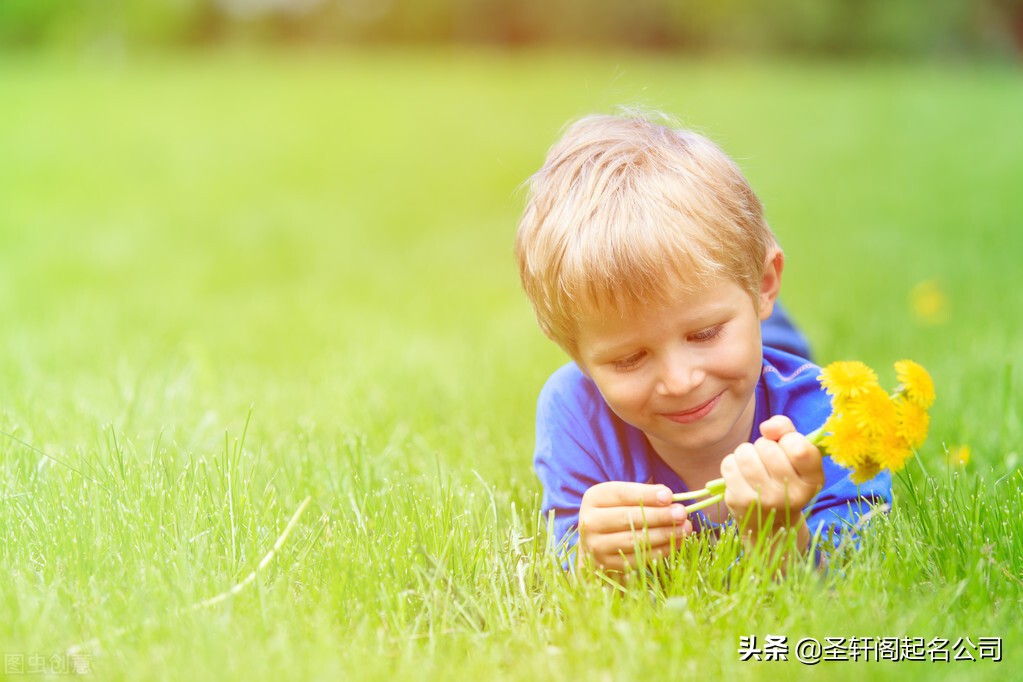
column 793, row 389
column 769, row 482
column 577, row 460
column 832, row 514
column 840, row 511
column 624, row 523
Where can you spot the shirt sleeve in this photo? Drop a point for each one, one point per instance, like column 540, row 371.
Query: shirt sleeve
column 778, row 331
column 836, row 514
column 793, row 389
column 565, row 459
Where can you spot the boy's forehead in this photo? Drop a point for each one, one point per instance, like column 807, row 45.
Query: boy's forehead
column 626, row 302
column 679, row 303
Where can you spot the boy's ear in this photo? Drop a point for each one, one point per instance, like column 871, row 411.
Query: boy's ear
column 770, row 285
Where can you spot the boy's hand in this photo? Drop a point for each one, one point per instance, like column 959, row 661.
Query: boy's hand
column 780, row 472
column 617, row 517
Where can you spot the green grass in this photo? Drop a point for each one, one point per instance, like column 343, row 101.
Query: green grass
column 229, row 282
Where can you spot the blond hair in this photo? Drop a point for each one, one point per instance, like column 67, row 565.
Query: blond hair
column 623, row 209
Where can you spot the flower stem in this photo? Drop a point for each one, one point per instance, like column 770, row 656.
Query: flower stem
column 691, row 495
column 712, row 488
column 710, row 501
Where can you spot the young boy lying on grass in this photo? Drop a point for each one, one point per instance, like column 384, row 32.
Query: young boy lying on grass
column 646, row 257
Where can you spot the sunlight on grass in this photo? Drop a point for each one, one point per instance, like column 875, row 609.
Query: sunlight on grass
column 233, row 282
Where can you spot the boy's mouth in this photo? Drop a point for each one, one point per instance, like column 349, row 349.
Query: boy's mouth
column 699, row 412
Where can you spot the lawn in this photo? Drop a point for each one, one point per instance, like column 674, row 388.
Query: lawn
column 233, row 281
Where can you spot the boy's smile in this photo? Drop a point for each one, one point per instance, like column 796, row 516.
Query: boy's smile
column 689, row 416
column 683, row 372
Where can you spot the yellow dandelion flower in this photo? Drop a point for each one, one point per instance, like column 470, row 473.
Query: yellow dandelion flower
column 917, row 384
column 864, row 473
column 847, row 379
column 959, row 455
column 872, row 411
column 847, row 444
column 913, row 422
column 893, row 451
column 929, row 303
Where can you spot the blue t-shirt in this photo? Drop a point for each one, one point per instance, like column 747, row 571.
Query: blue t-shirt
column 580, row 442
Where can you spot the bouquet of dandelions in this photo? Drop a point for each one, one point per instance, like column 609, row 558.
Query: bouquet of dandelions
column 869, row 429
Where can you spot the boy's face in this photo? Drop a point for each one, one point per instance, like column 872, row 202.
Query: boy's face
column 684, row 372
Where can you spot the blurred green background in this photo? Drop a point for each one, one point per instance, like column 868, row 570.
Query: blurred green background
column 309, row 205
column 306, row 210
column 836, row 27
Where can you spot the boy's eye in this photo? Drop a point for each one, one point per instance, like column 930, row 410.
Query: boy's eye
column 706, row 334
column 628, row 362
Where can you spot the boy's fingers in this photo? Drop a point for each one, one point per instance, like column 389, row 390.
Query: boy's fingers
column 776, row 427
column 767, row 472
column 628, row 542
column 776, row 462
column 652, row 537
column 750, row 465
column 650, row 553
column 614, row 519
column 626, row 494
column 730, row 472
column 805, row 458
column 738, row 491
column 619, row 560
column 788, row 488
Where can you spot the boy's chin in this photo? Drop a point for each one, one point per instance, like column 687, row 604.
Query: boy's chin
column 696, row 442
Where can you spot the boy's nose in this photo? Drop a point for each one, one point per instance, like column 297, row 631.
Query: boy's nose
column 679, row 377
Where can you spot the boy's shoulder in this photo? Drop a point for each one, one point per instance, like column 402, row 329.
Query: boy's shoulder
column 782, row 369
column 569, row 386
column 791, row 386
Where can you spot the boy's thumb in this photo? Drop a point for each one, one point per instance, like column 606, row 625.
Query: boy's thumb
column 776, row 427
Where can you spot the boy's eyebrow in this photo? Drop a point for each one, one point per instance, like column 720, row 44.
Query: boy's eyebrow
column 702, row 317
column 611, row 351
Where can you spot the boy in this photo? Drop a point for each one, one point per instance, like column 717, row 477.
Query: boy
column 646, row 257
